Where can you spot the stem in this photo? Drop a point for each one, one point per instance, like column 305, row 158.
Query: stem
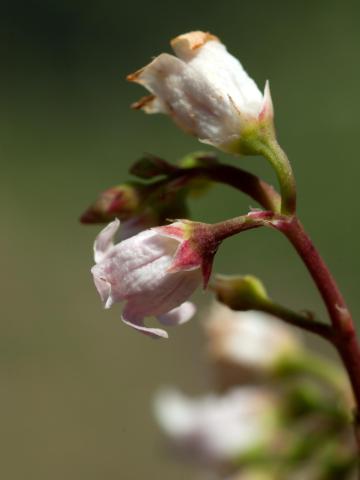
column 228, row 228
column 250, row 184
column 320, row 368
column 272, row 151
column 262, row 192
column 299, row 320
column 342, row 323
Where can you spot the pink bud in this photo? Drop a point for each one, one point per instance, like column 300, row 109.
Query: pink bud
column 121, row 201
column 149, row 272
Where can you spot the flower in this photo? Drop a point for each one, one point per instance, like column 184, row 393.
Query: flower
column 154, row 272
column 217, row 429
column 205, row 90
column 244, row 345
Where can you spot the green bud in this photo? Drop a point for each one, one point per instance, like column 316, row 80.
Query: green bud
column 198, row 159
column 240, row 292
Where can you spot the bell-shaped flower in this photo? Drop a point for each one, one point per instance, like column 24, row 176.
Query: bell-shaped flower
column 216, row 430
column 205, row 90
column 153, row 272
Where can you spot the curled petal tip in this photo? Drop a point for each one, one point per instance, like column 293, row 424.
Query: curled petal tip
column 143, row 102
column 104, row 241
column 267, row 111
column 155, row 333
column 188, row 43
column 132, row 77
column 179, row 315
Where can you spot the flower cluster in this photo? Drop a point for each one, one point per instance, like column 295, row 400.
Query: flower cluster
column 262, row 410
column 278, row 410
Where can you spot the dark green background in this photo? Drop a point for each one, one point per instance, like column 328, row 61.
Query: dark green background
column 75, row 382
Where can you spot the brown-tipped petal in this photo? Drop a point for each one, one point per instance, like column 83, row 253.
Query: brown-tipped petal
column 186, row 45
column 150, row 104
column 133, row 77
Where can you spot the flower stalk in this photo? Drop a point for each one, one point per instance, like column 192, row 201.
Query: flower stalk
column 299, row 320
column 262, row 141
column 272, row 151
column 345, row 338
column 208, row 94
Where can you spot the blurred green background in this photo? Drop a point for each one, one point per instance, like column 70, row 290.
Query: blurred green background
column 76, row 383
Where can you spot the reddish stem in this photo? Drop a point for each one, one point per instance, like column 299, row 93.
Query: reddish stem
column 345, row 338
column 242, row 180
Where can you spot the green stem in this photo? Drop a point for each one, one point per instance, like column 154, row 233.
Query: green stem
column 272, row 151
column 296, row 319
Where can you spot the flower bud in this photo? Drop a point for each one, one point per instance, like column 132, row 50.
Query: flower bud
column 121, row 202
column 239, row 292
column 206, row 91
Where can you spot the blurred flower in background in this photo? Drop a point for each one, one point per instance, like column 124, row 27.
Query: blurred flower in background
column 273, row 416
column 216, row 430
column 243, row 346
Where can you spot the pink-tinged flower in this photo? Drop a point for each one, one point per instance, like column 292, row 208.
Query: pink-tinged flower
column 153, row 272
column 216, row 430
column 205, row 90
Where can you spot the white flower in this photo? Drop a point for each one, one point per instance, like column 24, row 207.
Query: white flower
column 205, row 90
column 252, row 342
column 217, row 429
column 147, row 272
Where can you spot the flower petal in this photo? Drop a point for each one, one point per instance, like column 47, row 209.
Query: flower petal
column 187, row 45
column 104, row 241
column 197, row 106
column 178, row 315
column 163, row 292
column 267, row 110
column 103, row 287
column 150, row 104
column 138, row 323
column 176, row 230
